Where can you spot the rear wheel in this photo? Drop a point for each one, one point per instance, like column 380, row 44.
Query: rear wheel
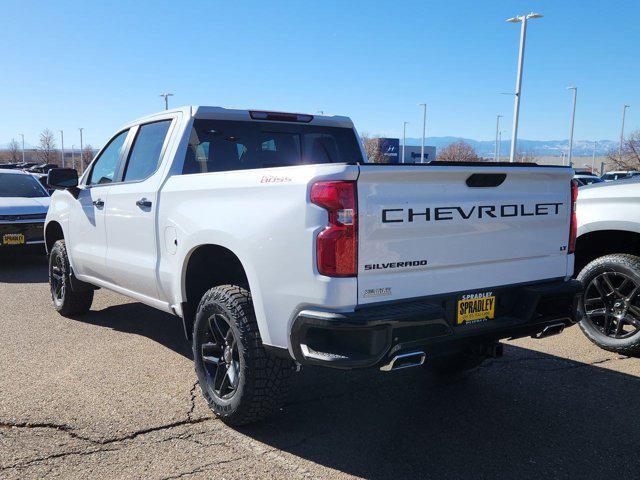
column 67, row 301
column 611, row 303
column 241, row 382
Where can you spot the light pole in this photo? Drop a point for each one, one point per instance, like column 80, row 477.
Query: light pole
column 62, row 146
column 81, row 152
column 166, row 99
column 404, row 138
column 573, row 118
column 500, row 142
column 73, row 156
column 624, row 111
column 516, row 105
column 495, row 154
column 22, row 135
column 593, row 158
column 424, row 129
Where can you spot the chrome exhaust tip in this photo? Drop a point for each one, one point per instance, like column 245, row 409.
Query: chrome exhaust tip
column 406, row 360
column 549, row 330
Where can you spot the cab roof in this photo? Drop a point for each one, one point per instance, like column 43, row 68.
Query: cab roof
column 221, row 113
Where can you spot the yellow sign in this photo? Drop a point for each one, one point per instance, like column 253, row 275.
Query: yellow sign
column 480, row 306
column 13, row 239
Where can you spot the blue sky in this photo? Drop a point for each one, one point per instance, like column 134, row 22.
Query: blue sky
column 99, row 64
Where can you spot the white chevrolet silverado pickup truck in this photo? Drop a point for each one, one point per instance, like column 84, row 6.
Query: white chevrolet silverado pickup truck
column 608, row 263
column 278, row 245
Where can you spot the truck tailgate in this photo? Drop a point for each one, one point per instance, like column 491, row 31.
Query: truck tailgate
column 430, row 229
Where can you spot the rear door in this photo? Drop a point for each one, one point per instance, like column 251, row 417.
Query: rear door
column 131, row 212
column 426, row 230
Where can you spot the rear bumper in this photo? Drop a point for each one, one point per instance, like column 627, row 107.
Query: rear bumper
column 372, row 334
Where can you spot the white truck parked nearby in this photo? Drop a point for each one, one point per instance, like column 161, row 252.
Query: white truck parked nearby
column 608, row 263
column 278, row 245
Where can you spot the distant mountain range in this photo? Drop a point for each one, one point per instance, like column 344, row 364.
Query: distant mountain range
column 485, row 148
column 539, row 148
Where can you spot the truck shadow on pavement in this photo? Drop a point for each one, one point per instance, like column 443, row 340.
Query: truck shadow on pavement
column 528, row 415
column 139, row 319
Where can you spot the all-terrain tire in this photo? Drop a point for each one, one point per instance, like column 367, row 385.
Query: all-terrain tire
column 67, row 301
column 263, row 379
column 628, row 265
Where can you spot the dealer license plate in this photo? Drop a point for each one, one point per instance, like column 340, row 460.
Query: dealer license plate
column 13, row 239
column 476, row 307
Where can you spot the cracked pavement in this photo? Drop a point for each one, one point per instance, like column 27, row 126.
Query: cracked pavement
column 114, row 395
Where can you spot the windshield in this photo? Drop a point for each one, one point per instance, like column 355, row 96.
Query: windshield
column 15, row 185
column 220, row 145
column 589, row 180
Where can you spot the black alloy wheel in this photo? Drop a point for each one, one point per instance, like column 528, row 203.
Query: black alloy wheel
column 220, row 357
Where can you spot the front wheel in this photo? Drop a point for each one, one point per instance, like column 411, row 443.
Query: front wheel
column 67, row 301
column 611, row 303
column 241, row 382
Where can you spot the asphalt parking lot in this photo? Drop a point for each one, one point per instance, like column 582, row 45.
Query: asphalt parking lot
column 114, row 395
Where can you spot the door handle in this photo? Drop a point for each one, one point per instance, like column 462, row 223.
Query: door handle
column 98, row 203
column 144, row 203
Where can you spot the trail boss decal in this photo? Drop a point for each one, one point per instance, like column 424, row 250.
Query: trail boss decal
column 480, row 212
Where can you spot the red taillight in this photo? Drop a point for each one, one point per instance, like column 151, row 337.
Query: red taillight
column 337, row 245
column 573, row 231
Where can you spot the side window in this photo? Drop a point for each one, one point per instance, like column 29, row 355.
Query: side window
column 105, row 167
column 145, row 153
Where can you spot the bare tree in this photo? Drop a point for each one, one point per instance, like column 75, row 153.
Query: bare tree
column 87, row 155
column 372, row 148
column 47, row 147
column 526, row 156
column 15, row 156
column 459, row 151
column 630, row 159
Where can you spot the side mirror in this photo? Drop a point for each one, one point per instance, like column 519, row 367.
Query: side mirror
column 62, row 178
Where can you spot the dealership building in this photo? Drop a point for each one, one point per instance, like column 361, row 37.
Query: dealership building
column 391, row 149
column 412, row 154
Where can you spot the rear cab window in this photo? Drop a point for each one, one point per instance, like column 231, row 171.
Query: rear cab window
column 145, row 155
column 221, row 145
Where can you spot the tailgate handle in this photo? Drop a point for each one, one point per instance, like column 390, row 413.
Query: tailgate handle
column 485, row 180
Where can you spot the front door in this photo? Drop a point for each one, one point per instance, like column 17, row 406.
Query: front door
column 87, row 233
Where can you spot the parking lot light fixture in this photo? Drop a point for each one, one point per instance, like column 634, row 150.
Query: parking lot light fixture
column 62, row 147
column 424, row 129
column 404, row 139
column 522, row 19
column 573, row 118
column 495, row 154
column 624, row 112
column 22, row 135
column 166, row 99
column 81, row 151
